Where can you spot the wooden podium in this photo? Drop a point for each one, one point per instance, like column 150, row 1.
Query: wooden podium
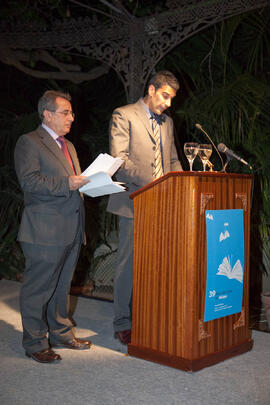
column 169, row 279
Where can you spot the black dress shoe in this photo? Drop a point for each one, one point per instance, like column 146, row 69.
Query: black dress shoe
column 44, row 356
column 75, row 343
column 124, row 336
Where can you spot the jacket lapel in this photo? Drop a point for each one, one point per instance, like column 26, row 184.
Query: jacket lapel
column 164, row 130
column 54, row 148
column 142, row 115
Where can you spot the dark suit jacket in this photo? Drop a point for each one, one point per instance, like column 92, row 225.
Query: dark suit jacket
column 131, row 138
column 52, row 214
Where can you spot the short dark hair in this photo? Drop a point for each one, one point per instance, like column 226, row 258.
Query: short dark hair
column 48, row 101
column 164, row 77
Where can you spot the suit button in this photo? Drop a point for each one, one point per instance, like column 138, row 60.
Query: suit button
column 154, row 148
column 76, row 211
column 152, row 164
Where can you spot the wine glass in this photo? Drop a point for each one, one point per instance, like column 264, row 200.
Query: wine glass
column 191, row 150
column 205, row 151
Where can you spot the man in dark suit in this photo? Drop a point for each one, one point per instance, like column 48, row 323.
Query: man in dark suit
column 51, row 230
column 143, row 137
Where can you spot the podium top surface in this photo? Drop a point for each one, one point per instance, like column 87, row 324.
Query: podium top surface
column 190, row 174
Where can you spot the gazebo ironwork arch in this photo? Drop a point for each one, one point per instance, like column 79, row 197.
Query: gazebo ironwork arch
column 134, row 46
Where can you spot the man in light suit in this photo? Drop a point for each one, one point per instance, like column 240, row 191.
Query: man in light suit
column 51, row 230
column 132, row 138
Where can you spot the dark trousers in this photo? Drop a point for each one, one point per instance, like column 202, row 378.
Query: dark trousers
column 123, row 277
column 44, row 297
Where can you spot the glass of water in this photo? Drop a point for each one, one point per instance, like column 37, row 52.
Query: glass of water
column 205, row 151
column 191, row 150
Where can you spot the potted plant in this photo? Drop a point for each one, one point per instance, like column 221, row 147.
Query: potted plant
column 264, row 228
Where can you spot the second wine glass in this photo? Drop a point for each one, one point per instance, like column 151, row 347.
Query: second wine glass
column 205, row 151
column 191, row 150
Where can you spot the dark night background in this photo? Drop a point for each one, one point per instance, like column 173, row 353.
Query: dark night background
column 224, row 76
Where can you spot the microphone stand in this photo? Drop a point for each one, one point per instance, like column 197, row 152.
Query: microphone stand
column 216, row 149
column 228, row 158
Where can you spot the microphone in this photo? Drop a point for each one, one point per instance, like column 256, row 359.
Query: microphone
column 223, row 148
column 201, row 129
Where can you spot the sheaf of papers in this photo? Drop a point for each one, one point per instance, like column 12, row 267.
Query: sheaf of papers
column 99, row 173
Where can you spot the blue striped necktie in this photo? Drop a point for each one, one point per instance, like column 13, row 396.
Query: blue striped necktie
column 158, row 170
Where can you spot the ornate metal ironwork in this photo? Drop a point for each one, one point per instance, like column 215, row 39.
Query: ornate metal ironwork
column 134, row 46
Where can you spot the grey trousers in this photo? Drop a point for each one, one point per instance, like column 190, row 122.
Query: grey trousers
column 44, row 297
column 123, row 276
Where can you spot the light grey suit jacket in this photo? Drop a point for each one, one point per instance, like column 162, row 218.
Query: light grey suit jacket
column 131, row 138
column 52, row 214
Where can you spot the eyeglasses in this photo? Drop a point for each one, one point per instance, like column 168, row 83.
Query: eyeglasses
column 65, row 113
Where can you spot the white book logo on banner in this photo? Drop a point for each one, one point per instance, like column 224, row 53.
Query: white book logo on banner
column 225, row 269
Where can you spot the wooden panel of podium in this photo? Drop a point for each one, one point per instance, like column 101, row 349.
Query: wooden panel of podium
column 169, row 274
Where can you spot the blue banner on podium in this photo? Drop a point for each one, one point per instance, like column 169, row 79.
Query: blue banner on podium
column 225, row 263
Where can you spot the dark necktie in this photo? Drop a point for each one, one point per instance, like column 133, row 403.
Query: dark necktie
column 64, row 148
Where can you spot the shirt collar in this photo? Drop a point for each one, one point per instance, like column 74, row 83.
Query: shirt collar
column 147, row 109
column 151, row 114
column 50, row 131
